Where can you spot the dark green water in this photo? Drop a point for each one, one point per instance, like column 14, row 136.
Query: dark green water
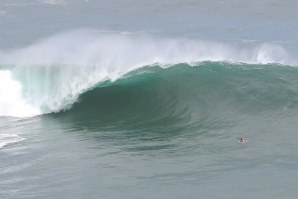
column 163, row 133
column 74, row 124
column 182, row 95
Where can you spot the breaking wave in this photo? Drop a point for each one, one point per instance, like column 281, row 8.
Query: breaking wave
column 53, row 74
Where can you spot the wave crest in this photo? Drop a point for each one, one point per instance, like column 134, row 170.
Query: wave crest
column 53, row 73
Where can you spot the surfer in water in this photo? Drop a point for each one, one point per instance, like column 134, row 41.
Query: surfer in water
column 241, row 140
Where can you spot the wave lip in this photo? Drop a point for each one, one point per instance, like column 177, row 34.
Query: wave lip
column 49, row 76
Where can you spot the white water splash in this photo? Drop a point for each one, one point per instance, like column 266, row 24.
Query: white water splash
column 51, row 74
column 12, row 102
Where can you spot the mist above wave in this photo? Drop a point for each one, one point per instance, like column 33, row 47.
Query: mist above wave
column 51, row 74
column 122, row 49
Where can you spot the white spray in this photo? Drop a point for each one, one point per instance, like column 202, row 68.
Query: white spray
column 50, row 75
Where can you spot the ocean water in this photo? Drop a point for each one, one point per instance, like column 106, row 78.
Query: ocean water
column 138, row 99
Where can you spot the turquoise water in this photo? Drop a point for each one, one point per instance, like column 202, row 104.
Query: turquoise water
column 130, row 99
column 163, row 133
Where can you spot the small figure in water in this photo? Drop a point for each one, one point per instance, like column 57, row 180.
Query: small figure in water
column 241, row 140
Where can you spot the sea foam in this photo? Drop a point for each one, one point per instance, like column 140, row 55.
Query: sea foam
column 6, row 139
column 12, row 102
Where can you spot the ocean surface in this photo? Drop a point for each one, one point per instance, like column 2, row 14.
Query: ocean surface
column 147, row 99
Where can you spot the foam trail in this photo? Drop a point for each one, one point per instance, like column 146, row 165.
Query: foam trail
column 52, row 73
column 6, row 139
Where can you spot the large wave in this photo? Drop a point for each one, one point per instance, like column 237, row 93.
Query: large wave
column 205, row 95
column 50, row 75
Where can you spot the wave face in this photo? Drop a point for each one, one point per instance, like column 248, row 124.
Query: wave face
column 52, row 75
column 207, row 94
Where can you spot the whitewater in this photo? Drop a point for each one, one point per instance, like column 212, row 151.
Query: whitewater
column 50, row 75
column 136, row 99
